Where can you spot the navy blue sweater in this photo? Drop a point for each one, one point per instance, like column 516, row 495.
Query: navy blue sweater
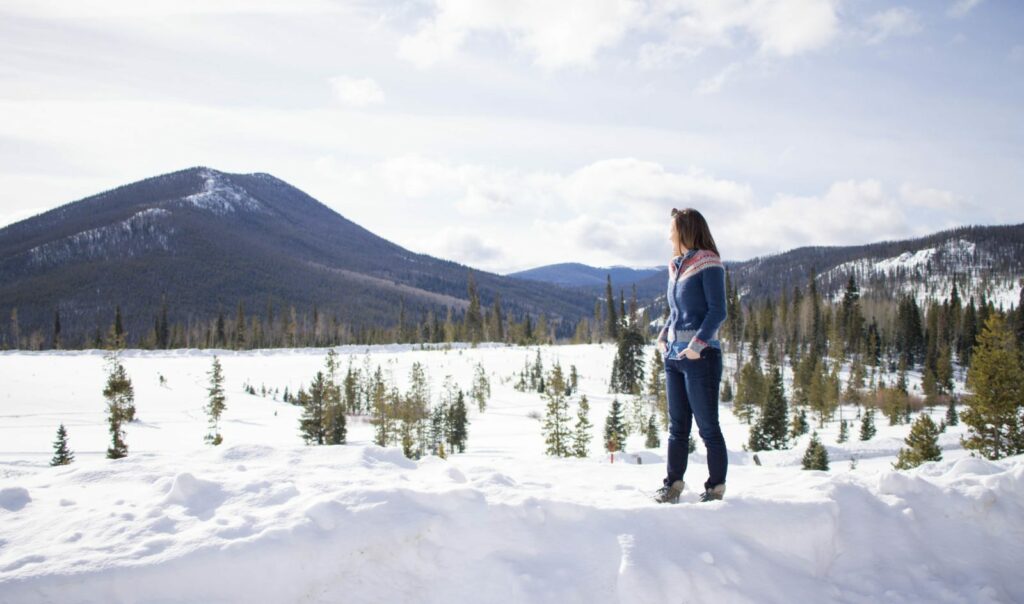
column 696, row 300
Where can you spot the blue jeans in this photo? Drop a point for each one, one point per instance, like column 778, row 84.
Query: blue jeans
column 692, row 390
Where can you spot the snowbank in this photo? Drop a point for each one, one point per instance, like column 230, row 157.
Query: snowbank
column 363, row 524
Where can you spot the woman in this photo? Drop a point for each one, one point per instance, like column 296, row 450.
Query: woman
column 692, row 353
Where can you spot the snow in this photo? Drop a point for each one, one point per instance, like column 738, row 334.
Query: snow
column 263, row 518
column 222, row 197
column 971, row 267
column 144, row 230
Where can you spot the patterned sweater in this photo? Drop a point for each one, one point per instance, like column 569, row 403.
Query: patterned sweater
column 696, row 300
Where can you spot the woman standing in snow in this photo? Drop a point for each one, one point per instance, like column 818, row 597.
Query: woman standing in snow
column 693, row 356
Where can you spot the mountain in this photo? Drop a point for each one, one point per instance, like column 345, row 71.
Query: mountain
column 574, row 274
column 983, row 261
column 206, row 241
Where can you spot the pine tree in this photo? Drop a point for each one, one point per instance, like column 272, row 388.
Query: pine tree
column 381, row 415
column 556, row 419
column 481, row 390
column 311, row 422
column 816, row 456
column 995, row 410
column 582, row 432
column 215, row 403
column 844, row 431
column 56, row 343
column 120, row 396
column 62, row 455
column 628, row 368
column 750, row 389
column 117, row 336
column 867, row 424
column 770, row 430
column 459, row 422
column 336, row 423
column 117, row 392
column 412, row 410
column 437, row 432
column 798, row 424
column 922, row 444
column 653, row 440
column 756, row 440
column 613, row 320
column 952, row 417
column 727, row 395
column 691, row 444
column 615, row 428
column 656, row 387
column 473, row 320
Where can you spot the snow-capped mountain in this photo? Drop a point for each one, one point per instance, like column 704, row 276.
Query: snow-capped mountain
column 207, row 240
column 983, row 260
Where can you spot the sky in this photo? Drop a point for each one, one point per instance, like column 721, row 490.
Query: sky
column 509, row 134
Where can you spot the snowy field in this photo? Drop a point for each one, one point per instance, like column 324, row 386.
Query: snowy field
column 264, row 518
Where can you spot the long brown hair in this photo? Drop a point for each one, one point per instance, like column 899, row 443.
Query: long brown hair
column 691, row 230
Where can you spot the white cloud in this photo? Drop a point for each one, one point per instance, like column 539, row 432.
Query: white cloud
column 467, row 246
column 560, row 34
column 125, row 9
column 790, row 27
column 960, row 8
column 935, row 199
column 570, row 33
column 897, row 21
column 358, row 92
column 850, row 212
column 713, row 84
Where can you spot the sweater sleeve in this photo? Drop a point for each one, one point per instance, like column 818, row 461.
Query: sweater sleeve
column 714, row 294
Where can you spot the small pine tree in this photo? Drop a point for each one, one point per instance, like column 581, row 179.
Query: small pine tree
column 215, row 404
column 922, row 444
column 481, row 390
column 556, row 419
column 379, row 406
column 336, row 428
column 653, row 440
column 816, row 456
column 62, row 455
column 581, row 434
column 844, row 431
column 952, row 417
column 120, row 396
column 615, row 427
column 691, row 444
column 770, row 430
column 311, row 422
column 727, row 395
column 459, row 421
column 867, row 424
column 798, row 425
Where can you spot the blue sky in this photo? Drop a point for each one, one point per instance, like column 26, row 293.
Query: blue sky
column 509, row 134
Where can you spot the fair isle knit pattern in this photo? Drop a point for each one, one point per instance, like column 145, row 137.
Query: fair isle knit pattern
column 701, row 260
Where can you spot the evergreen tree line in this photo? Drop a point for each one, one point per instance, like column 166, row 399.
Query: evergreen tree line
column 277, row 326
column 821, row 338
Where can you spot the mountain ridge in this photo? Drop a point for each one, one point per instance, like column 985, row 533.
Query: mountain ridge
column 210, row 240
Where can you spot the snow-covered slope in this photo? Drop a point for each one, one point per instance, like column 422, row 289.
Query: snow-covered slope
column 265, row 519
column 929, row 273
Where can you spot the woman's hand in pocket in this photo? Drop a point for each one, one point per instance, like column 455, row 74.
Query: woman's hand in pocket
column 689, row 353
